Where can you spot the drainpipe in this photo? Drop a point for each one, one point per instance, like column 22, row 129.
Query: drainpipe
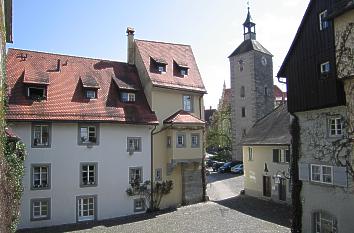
column 152, row 168
column 203, row 152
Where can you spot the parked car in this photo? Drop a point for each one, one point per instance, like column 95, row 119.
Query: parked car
column 217, row 165
column 227, row 167
column 237, row 169
column 209, row 163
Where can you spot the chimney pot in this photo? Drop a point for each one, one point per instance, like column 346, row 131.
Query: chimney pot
column 130, row 31
column 130, row 34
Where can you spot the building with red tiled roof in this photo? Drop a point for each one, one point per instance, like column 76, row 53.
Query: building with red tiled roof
column 279, row 95
column 87, row 128
column 174, row 90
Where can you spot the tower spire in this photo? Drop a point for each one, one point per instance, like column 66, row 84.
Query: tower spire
column 249, row 27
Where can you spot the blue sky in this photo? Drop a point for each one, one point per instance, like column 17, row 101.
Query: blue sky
column 96, row 28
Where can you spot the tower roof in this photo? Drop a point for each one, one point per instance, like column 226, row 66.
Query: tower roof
column 249, row 45
column 249, row 20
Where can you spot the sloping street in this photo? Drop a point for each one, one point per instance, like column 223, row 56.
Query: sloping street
column 227, row 212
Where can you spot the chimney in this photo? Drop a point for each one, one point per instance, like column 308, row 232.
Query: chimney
column 131, row 55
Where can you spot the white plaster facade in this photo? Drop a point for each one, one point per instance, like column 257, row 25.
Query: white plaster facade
column 254, row 171
column 65, row 155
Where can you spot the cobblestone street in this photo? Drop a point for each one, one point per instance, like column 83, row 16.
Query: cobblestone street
column 225, row 213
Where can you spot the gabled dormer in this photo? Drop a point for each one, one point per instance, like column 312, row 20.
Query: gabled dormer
column 90, row 86
column 158, row 65
column 127, row 91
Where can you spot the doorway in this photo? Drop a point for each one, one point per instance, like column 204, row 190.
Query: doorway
column 282, row 189
column 267, row 186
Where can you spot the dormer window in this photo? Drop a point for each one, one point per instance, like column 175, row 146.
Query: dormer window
column 127, row 97
column 90, row 94
column 36, row 92
column 325, row 68
column 161, row 68
column 322, row 20
column 180, row 69
column 184, row 72
column 158, row 65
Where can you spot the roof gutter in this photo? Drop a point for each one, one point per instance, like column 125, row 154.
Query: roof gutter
column 152, row 168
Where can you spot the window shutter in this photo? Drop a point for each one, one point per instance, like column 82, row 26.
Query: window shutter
column 287, row 156
column 340, row 176
column 304, row 172
column 276, row 155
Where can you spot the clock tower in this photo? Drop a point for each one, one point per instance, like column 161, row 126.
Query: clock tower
column 251, row 75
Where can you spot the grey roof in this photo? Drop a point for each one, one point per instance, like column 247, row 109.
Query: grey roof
column 249, row 45
column 249, row 19
column 273, row 129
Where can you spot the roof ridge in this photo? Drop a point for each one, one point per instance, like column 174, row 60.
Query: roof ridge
column 163, row 42
column 65, row 55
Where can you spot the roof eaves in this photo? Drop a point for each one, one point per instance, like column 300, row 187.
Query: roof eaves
column 281, row 71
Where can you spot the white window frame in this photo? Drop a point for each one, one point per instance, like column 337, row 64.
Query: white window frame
column 90, row 169
column 88, row 94
column 158, row 174
column 323, row 23
column 38, row 88
column 183, row 140
column 321, row 174
column 40, row 142
column 83, row 210
column 43, row 176
column 139, row 205
column 90, row 129
column 325, row 67
column 134, row 144
column 161, row 68
column 187, row 103
column 319, row 218
column 135, row 173
column 250, row 154
column 195, row 140
column 42, row 202
column 337, row 124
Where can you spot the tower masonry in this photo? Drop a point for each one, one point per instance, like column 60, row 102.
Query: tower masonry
column 251, row 75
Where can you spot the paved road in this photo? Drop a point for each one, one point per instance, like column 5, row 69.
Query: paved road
column 227, row 213
column 223, row 186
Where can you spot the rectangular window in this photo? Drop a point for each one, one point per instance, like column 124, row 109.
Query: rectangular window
column 250, row 153
column 184, row 72
column 325, row 68
column 322, row 173
column 134, row 144
column 135, row 175
column 158, row 174
column 323, row 22
column 127, row 97
column 86, row 208
column 40, row 176
column 139, row 205
column 88, row 134
column 188, row 103
column 36, row 92
column 40, row 209
column 180, row 140
column 281, row 156
column 161, row 68
column 242, row 92
column 243, row 112
column 169, row 141
column 195, row 140
column 41, row 135
column 335, row 126
column 90, row 94
column 88, row 174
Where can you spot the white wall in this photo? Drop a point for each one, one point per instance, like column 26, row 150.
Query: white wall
column 65, row 156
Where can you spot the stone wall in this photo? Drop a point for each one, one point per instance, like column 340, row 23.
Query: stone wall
column 192, row 188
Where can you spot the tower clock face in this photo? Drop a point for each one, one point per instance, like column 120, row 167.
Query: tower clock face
column 264, row 60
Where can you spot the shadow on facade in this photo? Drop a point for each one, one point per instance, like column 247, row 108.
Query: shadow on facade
column 266, row 210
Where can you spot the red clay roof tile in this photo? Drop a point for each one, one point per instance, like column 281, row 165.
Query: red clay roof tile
column 183, row 117
column 168, row 52
column 65, row 94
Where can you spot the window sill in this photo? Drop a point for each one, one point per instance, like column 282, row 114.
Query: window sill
column 87, row 185
column 40, row 188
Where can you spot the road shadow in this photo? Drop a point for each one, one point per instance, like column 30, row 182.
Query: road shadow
column 215, row 176
column 266, row 210
column 106, row 223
